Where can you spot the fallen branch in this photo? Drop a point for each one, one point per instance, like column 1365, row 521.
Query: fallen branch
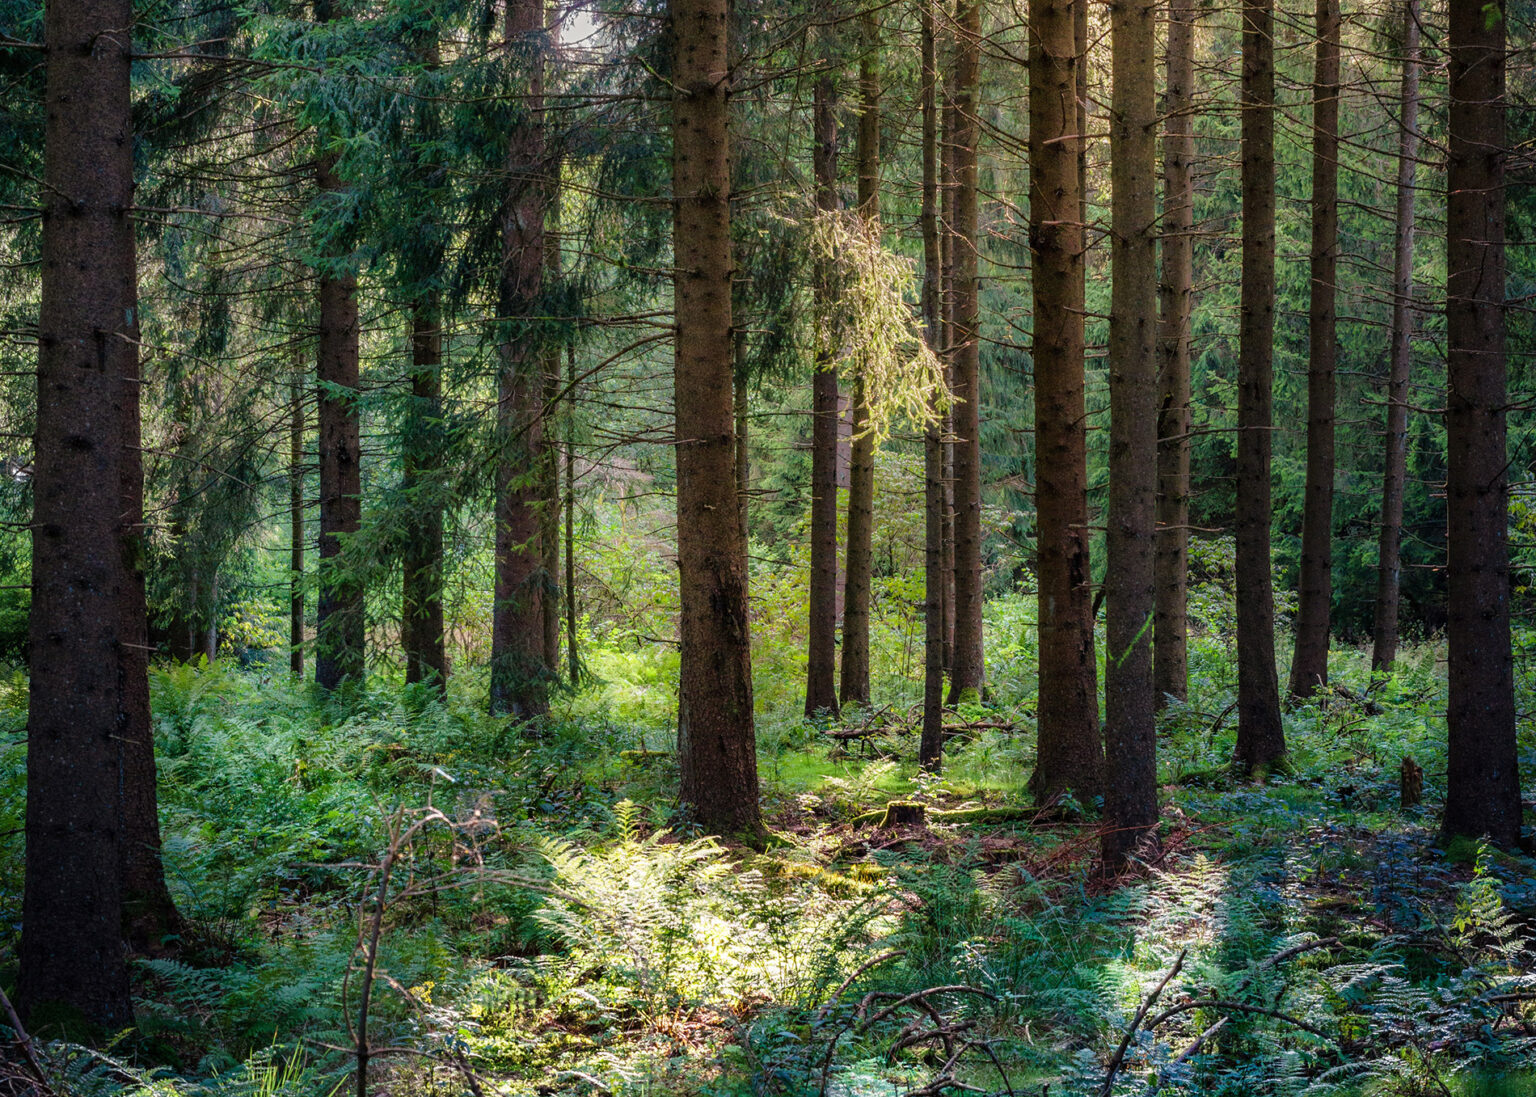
column 1130, row 1033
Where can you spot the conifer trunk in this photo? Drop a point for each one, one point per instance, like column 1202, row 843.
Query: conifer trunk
column 1130, row 732
column 1400, row 372
column 296, row 529
column 853, row 683
column 1170, row 658
column 1070, row 754
column 421, row 609
column 1260, row 738
column 967, row 672
column 1483, row 777
column 518, row 670
column 717, row 749
column 572, row 653
column 1309, row 663
column 931, row 745
column 549, row 465
column 88, row 700
column 947, row 235
column 821, row 655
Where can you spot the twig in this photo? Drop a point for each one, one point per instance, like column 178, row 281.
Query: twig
column 1234, row 1007
column 848, row 982
column 1130, row 1033
column 26, row 1043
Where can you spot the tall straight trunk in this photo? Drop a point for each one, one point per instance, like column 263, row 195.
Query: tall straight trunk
column 572, row 653
column 549, row 503
column 821, row 656
column 1170, row 659
column 1483, row 776
column 1070, row 754
column 947, row 236
column 1395, row 473
column 86, row 681
column 718, row 755
column 1130, row 731
column 1309, row 663
column 1260, row 738
column 421, row 609
column 296, row 528
column 967, row 672
column 931, row 746
column 853, row 684
column 518, row 670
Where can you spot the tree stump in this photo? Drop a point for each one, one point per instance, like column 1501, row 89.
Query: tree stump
column 903, row 813
column 1411, row 784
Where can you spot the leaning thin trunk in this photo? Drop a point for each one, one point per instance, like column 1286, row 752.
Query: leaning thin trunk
column 821, row 656
column 1483, row 775
column 1130, row 731
column 1260, row 738
column 1070, row 754
column 1309, row 664
column 1395, row 475
column 931, row 746
column 1170, row 660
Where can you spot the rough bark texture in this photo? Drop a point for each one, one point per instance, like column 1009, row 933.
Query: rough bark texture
column 549, row 464
column 572, row 652
column 931, row 746
column 717, row 752
column 1483, row 778
column 1309, row 663
column 967, row 672
column 85, row 549
column 947, row 340
column 296, row 530
column 421, row 609
column 1170, row 658
column 853, row 681
column 1400, row 371
column 518, row 671
column 821, row 656
column 1260, row 738
column 1130, row 731
column 1070, row 754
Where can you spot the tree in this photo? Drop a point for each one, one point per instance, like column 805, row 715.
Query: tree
column 339, row 619
column 821, row 657
column 89, row 691
column 1395, row 465
column 1071, row 754
column 1170, row 660
column 518, row 672
column 931, row 746
column 1130, row 730
column 853, row 683
column 296, row 527
column 421, row 610
column 1483, row 774
column 1260, row 738
column 1309, row 664
column 967, row 671
column 717, row 752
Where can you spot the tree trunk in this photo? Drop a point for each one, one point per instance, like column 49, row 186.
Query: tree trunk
column 1130, row 732
column 549, row 504
column 853, row 684
column 821, row 665
column 1395, row 472
column 1170, row 659
column 967, row 671
column 931, row 746
column 947, row 321
column 296, row 529
column 518, row 670
column 422, row 587
column 1309, row 663
column 572, row 653
column 1070, row 754
column 717, row 754
column 89, row 693
column 1483, row 776
column 1260, row 738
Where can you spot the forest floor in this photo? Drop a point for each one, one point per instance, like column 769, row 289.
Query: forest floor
column 547, row 926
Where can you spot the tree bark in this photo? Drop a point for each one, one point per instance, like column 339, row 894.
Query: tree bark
column 421, row 608
column 1260, row 738
column 518, row 671
column 1170, row 658
column 296, row 529
column 87, row 684
column 931, row 746
column 821, row 656
column 1130, row 732
column 1309, row 663
column 549, row 504
column 1483, row 777
column 717, row 751
column 1395, row 466
column 853, row 683
column 947, row 237
column 1070, row 754
column 572, row 652
column 967, row 672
